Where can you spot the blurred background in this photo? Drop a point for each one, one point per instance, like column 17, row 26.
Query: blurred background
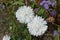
column 18, row 31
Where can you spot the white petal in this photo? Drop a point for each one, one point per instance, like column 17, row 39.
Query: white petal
column 37, row 26
column 6, row 37
column 25, row 14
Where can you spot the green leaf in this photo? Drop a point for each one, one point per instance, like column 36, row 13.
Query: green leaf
column 59, row 2
column 28, row 37
column 42, row 12
column 59, row 29
column 56, row 37
column 16, row 3
column 20, row 2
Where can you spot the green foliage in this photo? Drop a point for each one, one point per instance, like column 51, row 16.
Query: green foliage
column 42, row 12
column 59, row 2
column 34, row 5
column 20, row 2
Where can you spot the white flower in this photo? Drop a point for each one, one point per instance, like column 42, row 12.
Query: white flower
column 6, row 37
column 37, row 26
column 24, row 14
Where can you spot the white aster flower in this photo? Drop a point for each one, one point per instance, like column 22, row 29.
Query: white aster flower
column 24, row 14
column 37, row 26
column 6, row 37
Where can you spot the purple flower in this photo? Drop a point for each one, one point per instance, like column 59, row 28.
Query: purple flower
column 54, row 12
column 48, row 2
column 46, row 6
column 55, row 32
column 44, row 0
column 42, row 3
column 54, row 3
column 36, row 10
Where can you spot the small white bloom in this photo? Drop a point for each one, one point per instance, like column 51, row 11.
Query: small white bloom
column 37, row 26
column 24, row 14
column 6, row 37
